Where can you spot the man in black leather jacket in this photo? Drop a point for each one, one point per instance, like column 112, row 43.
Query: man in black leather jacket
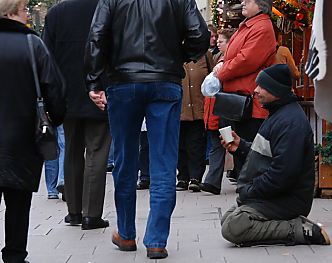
column 142, row 45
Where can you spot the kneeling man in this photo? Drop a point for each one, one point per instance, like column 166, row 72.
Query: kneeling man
column 276, row 183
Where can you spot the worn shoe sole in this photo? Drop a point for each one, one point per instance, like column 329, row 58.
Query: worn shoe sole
column 194, row 187
column 73, row 222
column 209, row 189
column 92, row 226
column 52, row 197
column 156, row 254
column 322, row 231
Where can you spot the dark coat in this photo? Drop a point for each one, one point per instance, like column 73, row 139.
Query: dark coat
column 66, row 29
column 20, row 164
column 278, row 176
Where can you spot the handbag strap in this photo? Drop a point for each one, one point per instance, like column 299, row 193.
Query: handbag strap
column 208, row 64
column 34, row 67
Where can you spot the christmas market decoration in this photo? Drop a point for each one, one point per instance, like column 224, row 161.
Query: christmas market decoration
column 226, row 13
column 215, row 13
column 290, row 15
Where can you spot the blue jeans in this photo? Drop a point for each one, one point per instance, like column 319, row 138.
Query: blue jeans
column 54, row 174
column 160, row 103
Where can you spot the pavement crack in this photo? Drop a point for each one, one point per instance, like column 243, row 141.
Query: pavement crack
column 200, row 253
column 219, row 213
column 57, row 245
column 267, row 252
column 312, row 250
column 294, row 257
column 94, row 249
column 68, row 258
column 225, row 260
column 49, row 231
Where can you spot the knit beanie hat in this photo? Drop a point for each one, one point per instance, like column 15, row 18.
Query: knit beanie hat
column 276, row 79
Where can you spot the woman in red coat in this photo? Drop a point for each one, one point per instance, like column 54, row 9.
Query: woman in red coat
column 251, row 49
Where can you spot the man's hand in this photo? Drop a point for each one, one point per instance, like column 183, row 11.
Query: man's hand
column 232, row 146
column 99, row 98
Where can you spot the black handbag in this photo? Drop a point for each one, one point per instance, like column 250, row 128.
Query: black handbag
column 45, row 134
column 233, row 106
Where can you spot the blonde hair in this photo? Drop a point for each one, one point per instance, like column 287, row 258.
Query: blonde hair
column 11, row 7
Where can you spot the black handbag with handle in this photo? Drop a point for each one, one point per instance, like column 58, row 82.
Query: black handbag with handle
column 45, row 134
column 233, row 106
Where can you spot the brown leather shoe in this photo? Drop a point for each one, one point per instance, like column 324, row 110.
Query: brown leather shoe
column 156, row 253
column 123, row 244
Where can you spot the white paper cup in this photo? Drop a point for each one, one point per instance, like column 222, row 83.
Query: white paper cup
column 226, row 134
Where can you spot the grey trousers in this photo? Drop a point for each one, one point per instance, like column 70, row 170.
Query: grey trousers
column 216, row 160
column 86, row 152
column 245, row 226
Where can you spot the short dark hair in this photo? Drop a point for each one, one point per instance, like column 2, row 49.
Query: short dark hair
column 265, row 6
column 212, row 28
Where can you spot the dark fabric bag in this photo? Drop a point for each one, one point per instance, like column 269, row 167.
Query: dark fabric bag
column 232, row 106
column 45, row 135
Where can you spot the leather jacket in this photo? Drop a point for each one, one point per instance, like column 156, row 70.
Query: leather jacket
column 144, row 41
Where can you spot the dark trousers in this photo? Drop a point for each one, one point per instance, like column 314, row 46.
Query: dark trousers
column 216, row 160
column 247, row 130
column 192, row 148
column 86, row 152
column 144, row 156
column 18, row 204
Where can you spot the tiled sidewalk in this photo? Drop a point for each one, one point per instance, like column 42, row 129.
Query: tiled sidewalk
column 195, row 233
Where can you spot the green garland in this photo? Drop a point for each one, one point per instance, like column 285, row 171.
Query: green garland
column 214, row 11
column 326, row 149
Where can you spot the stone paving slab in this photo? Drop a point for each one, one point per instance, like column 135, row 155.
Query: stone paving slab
column 195, row 233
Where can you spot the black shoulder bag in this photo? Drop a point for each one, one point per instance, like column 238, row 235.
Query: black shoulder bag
column 233, row 106
column 45, row 135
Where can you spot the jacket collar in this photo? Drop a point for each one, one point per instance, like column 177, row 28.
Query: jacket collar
column 252, row 20
column 9, row 25
column 277, row 104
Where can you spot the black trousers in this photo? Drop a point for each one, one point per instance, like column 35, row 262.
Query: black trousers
column 18, row 205
column 143, row 157
column 86, row 152
column 192, row 149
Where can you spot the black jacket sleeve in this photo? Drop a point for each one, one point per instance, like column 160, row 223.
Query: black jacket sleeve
column 48, row 34
column 98, row 49
column 51, row 82
column 243, row 150
column 197, row 37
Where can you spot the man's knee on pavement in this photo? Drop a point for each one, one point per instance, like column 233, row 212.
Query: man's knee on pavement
column 235, row 226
